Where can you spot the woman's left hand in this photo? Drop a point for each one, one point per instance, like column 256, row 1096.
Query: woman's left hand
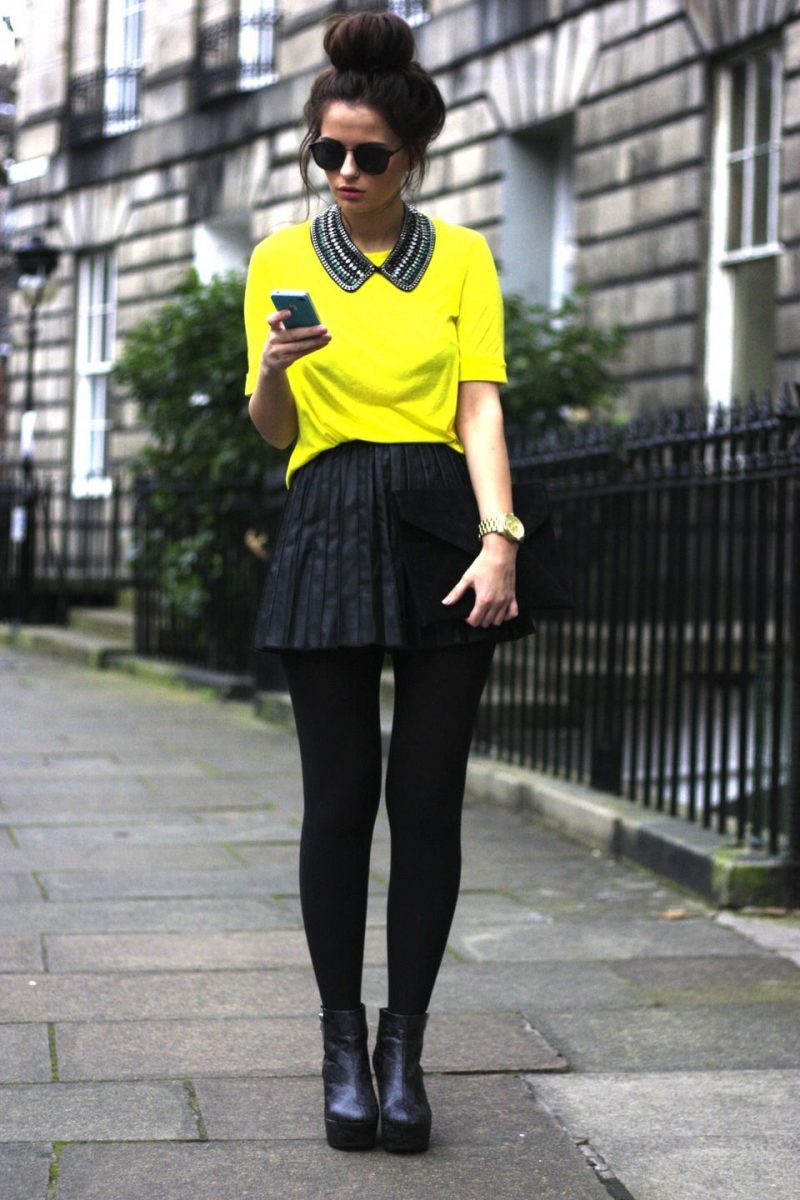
column 492, row 576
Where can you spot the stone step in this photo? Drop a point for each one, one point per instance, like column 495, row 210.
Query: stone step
column 76, row 645
column 116, row 624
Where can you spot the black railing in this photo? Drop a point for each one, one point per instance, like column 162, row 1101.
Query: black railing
column 234, row 55
column 675, row 680
column 103, row 103
column 200, row 559
column 77, row 547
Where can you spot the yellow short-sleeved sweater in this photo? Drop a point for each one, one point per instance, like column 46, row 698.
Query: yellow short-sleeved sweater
column 392, row 369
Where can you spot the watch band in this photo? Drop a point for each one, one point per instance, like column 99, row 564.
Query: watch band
column 492, row 525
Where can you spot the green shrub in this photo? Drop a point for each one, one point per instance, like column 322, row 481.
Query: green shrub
column 558, row 365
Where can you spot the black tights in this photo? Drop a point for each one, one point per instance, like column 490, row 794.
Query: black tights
column 335, row 696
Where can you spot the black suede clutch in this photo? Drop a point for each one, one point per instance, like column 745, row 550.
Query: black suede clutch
column 439, row 540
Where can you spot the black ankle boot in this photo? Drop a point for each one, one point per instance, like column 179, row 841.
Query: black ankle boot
column 351, row 1110
column 405, row 1111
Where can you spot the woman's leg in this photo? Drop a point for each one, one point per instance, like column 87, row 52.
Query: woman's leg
column 335, row 697
column 436, row 700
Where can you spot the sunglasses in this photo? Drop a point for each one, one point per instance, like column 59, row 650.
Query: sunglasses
column 370, row 157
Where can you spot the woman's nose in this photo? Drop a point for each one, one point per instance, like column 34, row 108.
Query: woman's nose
column 349, row 166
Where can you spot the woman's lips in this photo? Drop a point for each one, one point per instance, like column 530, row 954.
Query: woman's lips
column 350, row 193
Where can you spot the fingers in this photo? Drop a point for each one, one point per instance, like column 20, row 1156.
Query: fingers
column 486, row 611
column 285, row 346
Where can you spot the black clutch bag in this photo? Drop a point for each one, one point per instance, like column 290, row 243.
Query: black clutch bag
column 439, row 540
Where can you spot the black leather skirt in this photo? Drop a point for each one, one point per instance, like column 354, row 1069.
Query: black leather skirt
column 335, row 577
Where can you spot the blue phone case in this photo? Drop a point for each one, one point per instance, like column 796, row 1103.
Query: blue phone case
column 302, row 306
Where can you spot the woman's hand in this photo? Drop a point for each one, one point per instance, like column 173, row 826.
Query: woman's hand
column 492, row 576
column 284, row 346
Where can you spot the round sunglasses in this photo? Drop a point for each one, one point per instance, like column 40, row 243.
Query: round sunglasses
column 370, row 157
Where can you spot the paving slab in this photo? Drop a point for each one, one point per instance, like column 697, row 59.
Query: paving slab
column 282, row 1046
column 116, row 855
column 167, row 996
column 731, row 1133
column 20, row 952
column 149, row 915
column 25, row 1171
column 124, row 884
column 468, row 1109
column 171, row 830
column 741, row 1036
column 595, row 939
column 24, row 1054
column 715, row 979
column 97, row 1112
column 19, row 886
column 549, row 1168
column 186, row 951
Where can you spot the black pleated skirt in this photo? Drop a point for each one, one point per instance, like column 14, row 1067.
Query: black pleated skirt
column 335, row 577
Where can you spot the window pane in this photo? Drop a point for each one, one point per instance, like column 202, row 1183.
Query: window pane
column 738, row 94
column 761, row 200
column 764, row 99
column 735, row 177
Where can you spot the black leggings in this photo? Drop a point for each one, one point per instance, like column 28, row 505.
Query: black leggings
column 335, row 696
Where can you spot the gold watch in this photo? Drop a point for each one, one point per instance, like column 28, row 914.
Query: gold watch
column 506, row 523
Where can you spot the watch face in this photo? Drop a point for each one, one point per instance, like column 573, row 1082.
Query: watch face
column 514, row 527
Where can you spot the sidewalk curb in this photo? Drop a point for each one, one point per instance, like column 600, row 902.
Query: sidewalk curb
column 704, row 861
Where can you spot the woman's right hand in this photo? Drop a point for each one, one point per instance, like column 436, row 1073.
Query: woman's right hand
column 285, row 346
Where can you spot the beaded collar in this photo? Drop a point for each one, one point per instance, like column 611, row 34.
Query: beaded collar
column 349, row 267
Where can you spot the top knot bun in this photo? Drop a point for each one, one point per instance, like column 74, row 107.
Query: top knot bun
column 369, row 41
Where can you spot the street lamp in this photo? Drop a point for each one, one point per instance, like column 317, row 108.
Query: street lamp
column 35, row 262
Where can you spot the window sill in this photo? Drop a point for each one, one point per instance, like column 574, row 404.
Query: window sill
column 732, row 258
column 92, row 487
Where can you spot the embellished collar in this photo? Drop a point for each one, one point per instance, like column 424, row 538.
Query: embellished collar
column 349, row 267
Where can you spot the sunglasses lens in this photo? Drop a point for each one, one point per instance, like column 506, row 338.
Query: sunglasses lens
column 328, row 155
column 371, row 158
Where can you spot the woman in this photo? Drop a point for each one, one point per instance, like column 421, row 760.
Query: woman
column 397, row 389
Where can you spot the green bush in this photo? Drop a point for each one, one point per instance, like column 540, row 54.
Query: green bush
column 185, row 367
column 558, row 365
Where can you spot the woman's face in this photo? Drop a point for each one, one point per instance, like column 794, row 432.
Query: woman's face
column 354, row 190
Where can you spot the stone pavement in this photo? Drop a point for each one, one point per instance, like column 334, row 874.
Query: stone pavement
column 594, row 1031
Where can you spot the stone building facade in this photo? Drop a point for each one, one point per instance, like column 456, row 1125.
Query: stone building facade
column 649, row 149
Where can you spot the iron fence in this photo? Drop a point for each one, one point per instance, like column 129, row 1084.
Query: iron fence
column 77, row 546
column 674, row 682
column 200, row 558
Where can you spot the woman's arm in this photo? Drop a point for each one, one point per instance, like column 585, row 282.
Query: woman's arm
column 479, row 425
column 271, row 406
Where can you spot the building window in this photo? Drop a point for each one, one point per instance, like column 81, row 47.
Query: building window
column 539, row 214
column 105, row 102
column 94, row 355
column 416, row 12
column 238, row 53
column 745, row 242
column 222, row 244
column 256, row 43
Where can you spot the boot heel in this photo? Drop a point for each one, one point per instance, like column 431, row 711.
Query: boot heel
column 402, row 1138
column 405, row 1111
column 351, row 1109
column 350, row 1135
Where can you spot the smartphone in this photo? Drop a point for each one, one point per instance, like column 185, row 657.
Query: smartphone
column 301, row 305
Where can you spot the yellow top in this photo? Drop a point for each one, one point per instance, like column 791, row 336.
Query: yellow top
column 392, row 368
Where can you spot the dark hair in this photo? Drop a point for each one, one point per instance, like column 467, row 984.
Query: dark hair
column 372, row 63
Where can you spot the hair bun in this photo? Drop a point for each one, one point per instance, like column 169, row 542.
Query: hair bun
column 369, row 41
